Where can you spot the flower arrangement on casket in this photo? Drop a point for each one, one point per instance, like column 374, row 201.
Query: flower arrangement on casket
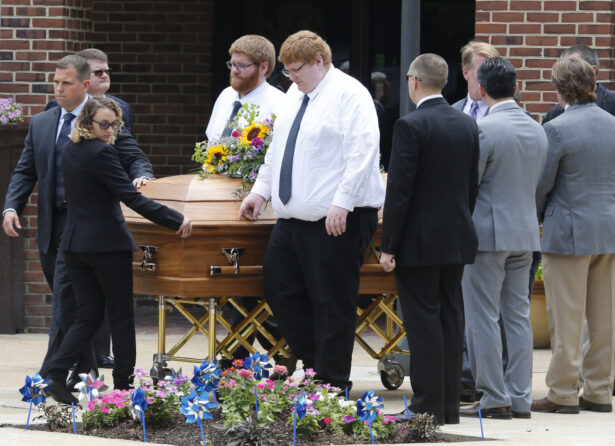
column 241, row 154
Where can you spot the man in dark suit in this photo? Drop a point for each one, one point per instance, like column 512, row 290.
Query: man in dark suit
column 40, row 163
column 428, row 234
column 100, row 82
column 605, row 98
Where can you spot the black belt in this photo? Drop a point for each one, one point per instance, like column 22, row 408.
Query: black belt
column 62, row 206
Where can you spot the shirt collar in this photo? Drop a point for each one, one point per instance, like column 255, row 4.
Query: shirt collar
column 77, row 109
column 246, row 98
column 501, row 103
column 427, row 98
column 323, row 82
column 481, row 104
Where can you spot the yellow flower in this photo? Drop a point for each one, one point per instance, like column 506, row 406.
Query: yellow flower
column 216, row 155
column 252, row 131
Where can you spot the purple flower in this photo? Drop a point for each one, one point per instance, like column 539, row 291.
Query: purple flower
column 349, row 419
column 257, row 142
column 235, row 158
column 4, row 119
column 252, row 176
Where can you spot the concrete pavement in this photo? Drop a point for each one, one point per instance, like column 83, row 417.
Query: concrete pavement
column 22, row 354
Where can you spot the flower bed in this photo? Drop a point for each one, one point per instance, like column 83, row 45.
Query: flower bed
column 239, row 405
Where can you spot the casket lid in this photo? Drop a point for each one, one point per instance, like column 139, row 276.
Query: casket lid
column 209, row 201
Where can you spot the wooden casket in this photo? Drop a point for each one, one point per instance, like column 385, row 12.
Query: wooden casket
column 224, row 256
column 223, row 260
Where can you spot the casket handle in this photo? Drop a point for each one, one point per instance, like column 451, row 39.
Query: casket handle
column 232, row 255
column 148, row 264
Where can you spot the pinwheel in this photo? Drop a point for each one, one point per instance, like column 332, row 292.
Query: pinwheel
column 367, row 409
column 300, row 409
column 196, row 407
column 33, row 392
column 258, row 364
column 206, row 377
column 89, row 387
column 138, row 405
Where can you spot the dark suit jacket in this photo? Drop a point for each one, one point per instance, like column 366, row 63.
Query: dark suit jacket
column 605, row 99
column 37, row 165
column 126, row 110
column 431, row 187
column 95, row 182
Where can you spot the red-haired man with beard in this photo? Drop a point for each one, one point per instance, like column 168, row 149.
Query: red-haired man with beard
column 252, row 62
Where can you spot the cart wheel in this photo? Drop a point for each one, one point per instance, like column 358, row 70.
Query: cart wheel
column 393, row 378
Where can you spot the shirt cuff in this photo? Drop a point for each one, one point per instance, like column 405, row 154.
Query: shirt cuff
column 8, row 209
column 343, row 201
column 262, row 189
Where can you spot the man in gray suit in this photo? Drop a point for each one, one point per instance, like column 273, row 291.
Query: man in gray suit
column 472, row 55
column 576, row 202
column 513, row 148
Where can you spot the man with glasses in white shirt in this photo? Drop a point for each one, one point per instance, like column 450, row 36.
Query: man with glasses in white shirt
column 322, row 175
column 252, row 62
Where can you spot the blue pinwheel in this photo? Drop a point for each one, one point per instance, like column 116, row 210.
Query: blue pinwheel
column 301, row 405
column 368, row 405
column 89, row 387
column 206, row 377
column 138, row 404
column 258, row 364
column 196, row 407
column 34, row 390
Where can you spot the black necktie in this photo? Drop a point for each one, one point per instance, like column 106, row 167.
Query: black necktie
column 63, row 138
column 286, row 171
column 227, row 129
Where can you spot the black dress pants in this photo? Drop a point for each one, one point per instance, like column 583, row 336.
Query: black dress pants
column 63, row 303
column 432, row 309
column 101, row 281
column 311, row 284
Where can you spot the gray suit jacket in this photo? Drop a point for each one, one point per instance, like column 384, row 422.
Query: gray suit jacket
column 460, row 104
column 513, row 148
column 576, row 193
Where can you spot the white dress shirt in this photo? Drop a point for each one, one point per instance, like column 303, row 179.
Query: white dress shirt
column 427, row 98
column 265, row 96
column 336, row 160
column 482, row 107
column 75, row 112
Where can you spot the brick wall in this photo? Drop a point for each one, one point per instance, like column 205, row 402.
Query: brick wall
column 533, row 33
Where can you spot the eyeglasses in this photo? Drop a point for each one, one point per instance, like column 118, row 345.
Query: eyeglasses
column 238, row 66
column 408, row 76
column 99, row 73
column 106, row 125
column 287, row 73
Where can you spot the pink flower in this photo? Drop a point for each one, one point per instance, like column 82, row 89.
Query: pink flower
column 161, row 394
column 246, row 374
column 91, row 405
column 104, row 409
column 140, row 373
column 260, row 386
column 327, row 420
column 270, row 384
column 231, row 383
column 280, row 370
column 237, row 134
column 309, row 372
column 349, row 419
column 388, row 419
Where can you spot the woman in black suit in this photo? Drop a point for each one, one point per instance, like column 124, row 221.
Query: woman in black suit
column 97, row 243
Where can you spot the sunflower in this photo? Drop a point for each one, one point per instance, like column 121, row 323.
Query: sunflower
column 252, row 131
column 216, row 155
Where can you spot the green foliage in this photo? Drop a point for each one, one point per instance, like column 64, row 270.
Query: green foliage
column 97, row 418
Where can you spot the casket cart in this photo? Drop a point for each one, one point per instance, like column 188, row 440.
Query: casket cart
column 223, row 260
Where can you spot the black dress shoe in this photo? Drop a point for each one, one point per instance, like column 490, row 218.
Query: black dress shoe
column 519, row 414
column 467, row 395
column 500, row 413
column 596, row 407
column 58, row 391
column 105, row 362
column 403, row 416
column 72, row 382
